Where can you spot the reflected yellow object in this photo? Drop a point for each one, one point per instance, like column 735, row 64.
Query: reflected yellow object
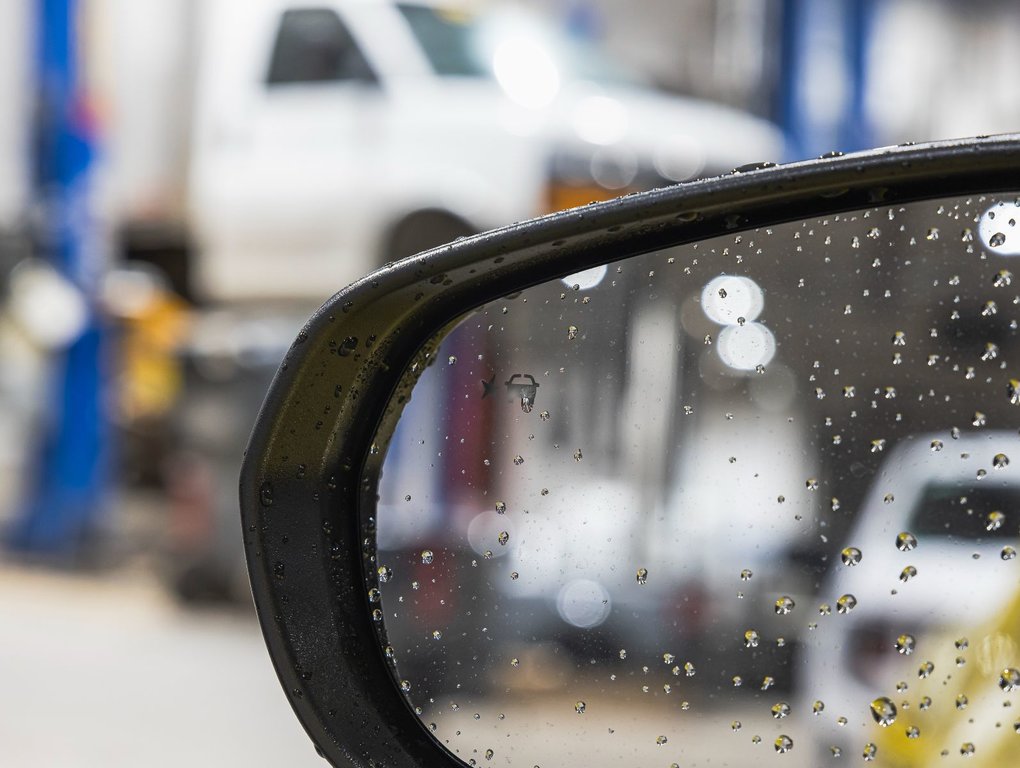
column 149, row 375
column 967, row 706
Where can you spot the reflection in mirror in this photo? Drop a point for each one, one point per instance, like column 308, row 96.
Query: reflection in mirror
column 751, row 497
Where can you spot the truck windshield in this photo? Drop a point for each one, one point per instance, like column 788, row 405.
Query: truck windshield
column 461, row 43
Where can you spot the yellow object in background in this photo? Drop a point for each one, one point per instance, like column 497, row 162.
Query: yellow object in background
column 959, row 704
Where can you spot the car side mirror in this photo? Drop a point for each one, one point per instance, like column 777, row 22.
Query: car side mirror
column 661, row 479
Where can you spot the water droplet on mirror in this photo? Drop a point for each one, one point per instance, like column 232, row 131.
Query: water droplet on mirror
column 824, row 609
column 850, row 556
column 660, row 740
column 385, row 573
column 1013, row 391
column 870, row 751
column 913, row 732
column 784, row 605
column 997, row 239
column 745, row 574
column 689, row 669
column 883, row 711
column 451, row 360
column 500, row 507
column 572, row 332
column 995, row 521
column 623, row 653
column 751, row 638
column 735, row 725
column 783, row 743
column 811, row 484
column 925, row 703
column 518, row 460
column 767, row 682
column 905, row 644
column 780, row 710
column 427, row 556
column 580, row 707
column 642, row 576
column 1008, row 553
column 905, row 541
column 967, row 748
column 668, row 658
column 503, row 538
column 1003, row 278
column 899, row 339
column 578, row 455
column 925, row 670
column 515, row 662
column 846, row 603
column 933, row 234
column 1009, row 679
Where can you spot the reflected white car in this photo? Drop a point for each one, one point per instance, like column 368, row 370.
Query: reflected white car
column 931, row 553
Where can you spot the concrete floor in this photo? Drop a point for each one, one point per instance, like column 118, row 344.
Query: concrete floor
column 109, row 671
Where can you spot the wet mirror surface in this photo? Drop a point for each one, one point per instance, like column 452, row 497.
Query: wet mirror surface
column 751, row 499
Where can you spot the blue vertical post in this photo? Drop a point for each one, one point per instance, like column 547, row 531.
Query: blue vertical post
column 69, row 467
column 823, row 75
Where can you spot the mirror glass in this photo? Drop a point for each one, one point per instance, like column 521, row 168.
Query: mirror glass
column 752, row 498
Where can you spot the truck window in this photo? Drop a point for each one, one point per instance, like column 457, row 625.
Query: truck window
column 314, row 46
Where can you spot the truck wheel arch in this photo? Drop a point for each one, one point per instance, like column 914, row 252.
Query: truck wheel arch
column 420, row 230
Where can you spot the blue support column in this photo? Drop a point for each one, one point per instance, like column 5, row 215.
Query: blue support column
column 823, row 78
column 68, row 488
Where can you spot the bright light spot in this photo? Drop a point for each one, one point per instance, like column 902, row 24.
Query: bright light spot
column 583, row 603
column 483, row 532
column 527, row 72
column 998, row 228
column 744, row 347
column 601, row 120
column 728, row 298
column 45, row 305
column 679, row 158
column 614, row 168
column 587, row 279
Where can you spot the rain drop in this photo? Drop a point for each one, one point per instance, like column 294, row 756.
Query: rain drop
column 883, row 711
column 905, row 644
column 784, row 605
column 780, row 710
column 1009, row 679
column 905, row 541
column 850, row 556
